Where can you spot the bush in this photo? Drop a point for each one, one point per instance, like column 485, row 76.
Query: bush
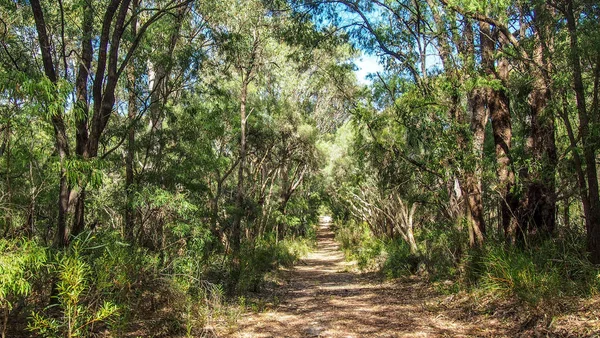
column 443, row 248
column 399, row 261
column 352, row 236
column 554, row 268
column 266, row 256
column 78, row 312
column 358, row 243
column 19, row 262
column 546, row 269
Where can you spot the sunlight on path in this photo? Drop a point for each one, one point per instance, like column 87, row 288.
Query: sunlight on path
column 322, row 298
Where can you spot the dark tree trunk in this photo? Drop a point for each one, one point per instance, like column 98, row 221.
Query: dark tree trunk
column 537, row 211
column 591, row 197
column 538, row 206
column 499, row 106
column 62, row 145
column 502, row 130
column 82, row 105
column 132, row 111
column 129, row 173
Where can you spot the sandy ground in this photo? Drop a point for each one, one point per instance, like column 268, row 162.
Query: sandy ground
column 322, row 297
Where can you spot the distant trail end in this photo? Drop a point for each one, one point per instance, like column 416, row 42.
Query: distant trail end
column 322, row 298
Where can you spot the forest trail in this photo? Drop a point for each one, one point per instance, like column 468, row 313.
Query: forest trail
column 321, row 297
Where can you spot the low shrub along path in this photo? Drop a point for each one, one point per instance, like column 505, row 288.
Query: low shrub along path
column 321, row 297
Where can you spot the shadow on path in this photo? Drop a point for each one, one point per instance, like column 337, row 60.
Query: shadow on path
column 323, row 299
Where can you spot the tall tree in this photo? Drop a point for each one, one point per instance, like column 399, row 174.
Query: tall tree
column 109, row 66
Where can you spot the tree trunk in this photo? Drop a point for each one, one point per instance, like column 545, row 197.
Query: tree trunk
column 60, row 134
column 130, row 152
column 284, row 195
column 9, row 192
column 592, row 217
column 236, row 229
column 473, row 175
column 538, row 207
column 130, row 149
column 82, row 105
column 499, row 106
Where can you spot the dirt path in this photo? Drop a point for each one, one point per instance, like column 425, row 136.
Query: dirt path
column 322, row 299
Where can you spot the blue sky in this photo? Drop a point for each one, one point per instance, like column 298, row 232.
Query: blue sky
column 367, row 64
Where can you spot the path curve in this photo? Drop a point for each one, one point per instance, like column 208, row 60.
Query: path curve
column 322, row 297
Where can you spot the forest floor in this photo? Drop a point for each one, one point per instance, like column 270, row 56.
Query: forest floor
column 323, row 296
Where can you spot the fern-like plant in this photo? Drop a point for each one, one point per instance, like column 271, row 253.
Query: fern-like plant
column 78, row 315
column 18, row 262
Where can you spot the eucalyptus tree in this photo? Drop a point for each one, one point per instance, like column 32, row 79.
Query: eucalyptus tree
column 242, row 39
column 94, row 74
column 463, row 63
column 583, row 53
column 155, row 75
column 405, row 32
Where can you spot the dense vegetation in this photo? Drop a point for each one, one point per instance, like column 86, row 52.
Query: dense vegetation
column 158, row 158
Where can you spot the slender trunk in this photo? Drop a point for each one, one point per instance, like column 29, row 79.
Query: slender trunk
column 408, row 220
column 589, row 152
column 130, row 150
column 215, row 228
column 284, row 196
column 474, row 175
column 9, row 192
column 581, row 182
column 156, row 77
column 79, row 214
column 61, row 140
column 104, row 89
column 282, row 226
column 240, row 203
column 82, row 106
column 129, row 173
column 32, row 203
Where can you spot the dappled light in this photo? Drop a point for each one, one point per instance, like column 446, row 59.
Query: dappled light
column 324, row 296
column 299, row 168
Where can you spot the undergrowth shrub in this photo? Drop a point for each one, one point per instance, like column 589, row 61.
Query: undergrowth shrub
column 80, row 308
column 540, row 271
column 358, row 243
column 442, row 247
column 553, row 268
column 390, row 256
column 266, row 256
column 399, row 261
column 20, row 260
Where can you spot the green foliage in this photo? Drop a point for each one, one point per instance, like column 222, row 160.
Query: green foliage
column 267, row 256
column 443, row 250
column 357, row 242
column 399, row 262
column 50, row 97
column 552, row 268
column 555, row 268
column 82, row 172
column 493, row 7
column 20, row 260
column 73, row 284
